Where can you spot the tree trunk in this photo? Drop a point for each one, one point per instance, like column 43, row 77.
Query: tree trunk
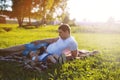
column 29, row 18
column 20, row 22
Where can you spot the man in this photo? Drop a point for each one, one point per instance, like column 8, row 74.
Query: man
column 64, row 41
column 56, row 45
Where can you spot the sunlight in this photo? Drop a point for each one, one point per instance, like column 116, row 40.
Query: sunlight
column 94, row 10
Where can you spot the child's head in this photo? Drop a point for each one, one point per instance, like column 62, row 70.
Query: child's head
column 41, row 50
column 31, row 54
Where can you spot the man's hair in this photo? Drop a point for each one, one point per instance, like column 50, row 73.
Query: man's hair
column 65, row 27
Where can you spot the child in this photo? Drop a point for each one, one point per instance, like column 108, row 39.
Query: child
column 42, row 55
column 39, row 54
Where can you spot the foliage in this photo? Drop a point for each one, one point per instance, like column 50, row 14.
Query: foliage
column 21, row 9
column 104, row 66
column 43, row 10
column 4, row 5
column 66, row 19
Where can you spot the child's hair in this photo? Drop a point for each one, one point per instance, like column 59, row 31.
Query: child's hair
column 28, row 56
column 41, row 50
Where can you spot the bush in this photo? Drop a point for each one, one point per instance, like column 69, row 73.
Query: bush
column 7, row 29
column 29, row 27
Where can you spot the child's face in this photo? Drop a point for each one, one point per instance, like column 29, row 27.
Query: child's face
column 41, row 50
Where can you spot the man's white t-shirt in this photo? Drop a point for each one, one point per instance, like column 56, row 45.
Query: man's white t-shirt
column 60, row 45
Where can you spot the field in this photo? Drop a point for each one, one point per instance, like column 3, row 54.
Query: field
column 104, row 66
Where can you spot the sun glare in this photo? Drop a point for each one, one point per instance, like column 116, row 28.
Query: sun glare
column 94, row 10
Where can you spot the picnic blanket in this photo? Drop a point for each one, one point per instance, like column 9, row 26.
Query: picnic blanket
column 40, row 66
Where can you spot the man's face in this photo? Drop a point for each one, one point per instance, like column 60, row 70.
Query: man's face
column 63, row 34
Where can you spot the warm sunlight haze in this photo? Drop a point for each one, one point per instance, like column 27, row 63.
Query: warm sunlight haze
column 94, row 10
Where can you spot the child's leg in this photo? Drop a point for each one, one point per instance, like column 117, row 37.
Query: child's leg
column 17, row 53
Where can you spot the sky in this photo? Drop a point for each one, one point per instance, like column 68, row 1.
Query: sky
column 94, row 10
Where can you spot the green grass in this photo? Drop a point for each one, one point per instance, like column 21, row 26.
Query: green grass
column 105, row 66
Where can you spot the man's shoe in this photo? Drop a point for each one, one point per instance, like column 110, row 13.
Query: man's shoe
column 62, row 59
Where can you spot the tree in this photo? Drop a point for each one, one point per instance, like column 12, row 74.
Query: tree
column 49, row 8
column 21, row 9
column 66, row 18
column 5, row 7
column 4, row 4
column 41, row 9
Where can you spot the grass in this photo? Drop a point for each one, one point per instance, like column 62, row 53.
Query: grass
column 104, row 66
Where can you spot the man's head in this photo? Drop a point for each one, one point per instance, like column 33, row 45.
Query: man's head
column 64, row 31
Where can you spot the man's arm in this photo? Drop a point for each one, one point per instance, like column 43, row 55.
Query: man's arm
column 71, row 55
column 51, row 40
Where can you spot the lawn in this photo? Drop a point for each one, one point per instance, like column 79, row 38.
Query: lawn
column 104, row 66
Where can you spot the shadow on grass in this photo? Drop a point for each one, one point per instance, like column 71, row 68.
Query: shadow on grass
column 12, row 71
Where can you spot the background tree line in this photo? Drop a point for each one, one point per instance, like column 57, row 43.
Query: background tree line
column 42, row 10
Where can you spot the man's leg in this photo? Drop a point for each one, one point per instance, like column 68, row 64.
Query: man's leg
column 18, row 53
column 55, row 56
column 12, row 49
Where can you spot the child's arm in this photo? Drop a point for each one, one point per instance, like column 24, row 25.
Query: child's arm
column 35, row 58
